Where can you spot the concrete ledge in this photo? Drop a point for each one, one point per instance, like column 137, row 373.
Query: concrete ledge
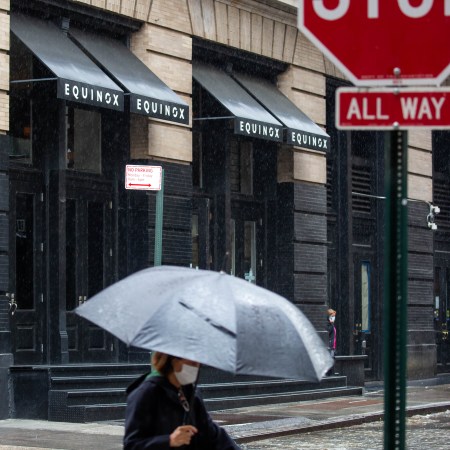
column 352, row 366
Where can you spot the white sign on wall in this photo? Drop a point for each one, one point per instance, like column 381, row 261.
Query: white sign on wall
column 146, row 178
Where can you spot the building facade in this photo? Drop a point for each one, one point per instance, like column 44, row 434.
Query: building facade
column 238, row 108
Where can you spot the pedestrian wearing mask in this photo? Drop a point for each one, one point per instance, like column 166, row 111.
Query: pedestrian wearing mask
column 163, row 410
column 331, row 328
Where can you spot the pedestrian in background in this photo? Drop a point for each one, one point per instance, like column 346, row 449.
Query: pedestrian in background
column 163, row 410
column 331, row 328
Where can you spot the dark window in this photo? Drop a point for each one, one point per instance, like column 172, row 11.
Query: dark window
column 83, row 140
column 20, row 103
column 241, row 169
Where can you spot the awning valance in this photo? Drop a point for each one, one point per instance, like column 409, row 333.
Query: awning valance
column 148, row 94
column 300, row 129
column 250, row 118
column 79, row 79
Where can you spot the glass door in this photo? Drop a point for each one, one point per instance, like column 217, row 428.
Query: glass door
column 89, row 269
column 243, row 249
column 363, row 320
column 247, row 242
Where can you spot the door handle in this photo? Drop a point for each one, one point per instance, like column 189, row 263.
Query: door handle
column 12, row 303
column 80, row 300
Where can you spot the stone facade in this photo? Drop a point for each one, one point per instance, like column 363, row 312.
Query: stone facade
column 164, row 43
column 4, row 66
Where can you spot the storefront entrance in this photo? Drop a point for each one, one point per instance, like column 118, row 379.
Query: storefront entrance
column 89, row 262
column 442, row 312
column 27, row 308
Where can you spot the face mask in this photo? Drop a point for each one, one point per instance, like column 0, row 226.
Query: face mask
column 332, row 318
column 187, row 375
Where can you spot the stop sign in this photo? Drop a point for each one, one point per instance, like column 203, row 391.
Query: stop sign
column 381, row 42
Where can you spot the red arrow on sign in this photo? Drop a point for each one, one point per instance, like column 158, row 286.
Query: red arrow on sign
column 143, row 177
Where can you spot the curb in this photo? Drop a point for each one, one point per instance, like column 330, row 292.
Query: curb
column 243, row 437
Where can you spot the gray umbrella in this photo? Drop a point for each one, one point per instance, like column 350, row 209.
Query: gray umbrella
column 213, row 318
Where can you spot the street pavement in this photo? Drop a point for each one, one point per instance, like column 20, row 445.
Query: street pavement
column 276, row 426
column 430, row 431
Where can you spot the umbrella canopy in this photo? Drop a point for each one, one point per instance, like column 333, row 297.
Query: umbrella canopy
column 213, row 318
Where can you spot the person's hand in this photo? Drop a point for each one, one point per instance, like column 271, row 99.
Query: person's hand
column 182, row 435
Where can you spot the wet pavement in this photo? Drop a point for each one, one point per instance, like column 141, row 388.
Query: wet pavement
column 338, row 423
column 430, row 432
column 248, row 424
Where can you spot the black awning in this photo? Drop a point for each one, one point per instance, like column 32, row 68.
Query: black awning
column 250, row 118
column 300, row 129
column 79, row 79
column 148, row 94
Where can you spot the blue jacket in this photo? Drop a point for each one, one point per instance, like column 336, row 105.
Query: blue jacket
column 154, row 411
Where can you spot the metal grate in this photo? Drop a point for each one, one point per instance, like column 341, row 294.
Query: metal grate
column 361, row 187
column 331, row 182
column 441, row 189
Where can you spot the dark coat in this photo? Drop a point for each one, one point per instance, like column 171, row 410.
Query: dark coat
column 331, row 335
column 154, row 412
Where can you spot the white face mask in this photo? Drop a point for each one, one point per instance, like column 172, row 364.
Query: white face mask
column 332, row 318
column 187, row 375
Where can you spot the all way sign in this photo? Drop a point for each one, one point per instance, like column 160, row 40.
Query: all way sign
column 392, row 108
column 143, row 177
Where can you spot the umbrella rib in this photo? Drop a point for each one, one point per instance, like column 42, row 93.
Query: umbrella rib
column 208, row 320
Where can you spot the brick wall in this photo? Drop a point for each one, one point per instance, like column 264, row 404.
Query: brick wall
column 168, row 54
column 5, row 357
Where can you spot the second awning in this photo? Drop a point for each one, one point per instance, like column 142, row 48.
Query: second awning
column 250, row 118
column 301, row 131
column 148, row 94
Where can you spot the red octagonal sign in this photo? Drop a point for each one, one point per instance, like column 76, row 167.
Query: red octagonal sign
column 381, row 42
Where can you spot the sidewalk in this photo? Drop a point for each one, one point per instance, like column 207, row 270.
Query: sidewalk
column 244, row 424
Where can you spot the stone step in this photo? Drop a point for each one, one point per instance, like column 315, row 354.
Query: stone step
column 268, row 386
column 106, row 412
column 104, row 370
column 84, row 381
column 92, row 413
column 216, row 404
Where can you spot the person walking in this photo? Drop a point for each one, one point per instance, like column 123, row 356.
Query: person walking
column 331, row 328
column 163, row 410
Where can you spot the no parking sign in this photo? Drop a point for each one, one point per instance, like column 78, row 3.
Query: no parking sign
column 143, row 177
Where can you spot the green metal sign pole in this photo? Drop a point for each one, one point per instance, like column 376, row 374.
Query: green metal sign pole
column 395, row 298
column 159, row 222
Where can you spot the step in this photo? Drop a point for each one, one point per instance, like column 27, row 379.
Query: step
column 95, row 413
column 276, row 386
column 104, row 412
column 91, row 381
column 83, row 397
column 78, row 370
column 91, row 413
column 216, row 404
